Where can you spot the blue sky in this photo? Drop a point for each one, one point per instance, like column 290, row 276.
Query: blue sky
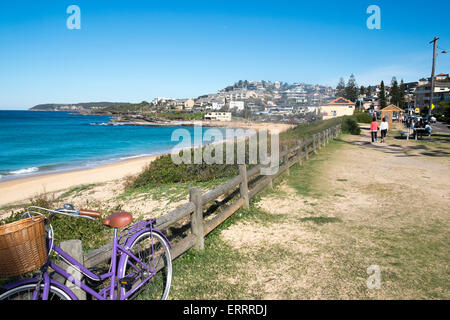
column 138, row 50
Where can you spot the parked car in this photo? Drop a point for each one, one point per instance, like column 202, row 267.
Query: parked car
column 432, row 119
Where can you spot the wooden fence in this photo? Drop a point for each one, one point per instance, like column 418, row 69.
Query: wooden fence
column 239, row 190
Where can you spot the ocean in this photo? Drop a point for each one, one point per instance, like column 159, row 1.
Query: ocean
column 35, row 142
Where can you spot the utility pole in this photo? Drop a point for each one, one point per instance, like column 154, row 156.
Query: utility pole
column 432, row 74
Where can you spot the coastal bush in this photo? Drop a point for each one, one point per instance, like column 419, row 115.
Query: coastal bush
column 306, row 130
column 164, row 171
column 444, row 109
column 181, row 115
column 362, row 117
column 350, row 125
column 91, row 232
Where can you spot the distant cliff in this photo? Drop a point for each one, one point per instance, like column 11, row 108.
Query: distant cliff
column 80, row 107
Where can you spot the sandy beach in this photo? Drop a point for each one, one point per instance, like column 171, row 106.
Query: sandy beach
column 18, row 190
column 25, row 188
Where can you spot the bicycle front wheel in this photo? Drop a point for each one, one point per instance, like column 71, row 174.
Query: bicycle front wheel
column 152, row 249
column 25, row 292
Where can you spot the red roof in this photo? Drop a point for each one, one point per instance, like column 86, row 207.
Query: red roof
column 341, row 101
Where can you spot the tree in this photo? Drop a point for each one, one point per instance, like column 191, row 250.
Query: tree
column 395, row 92
column 340, row 88
column 369, row 91
column 402, row 93
column 362, row 91
column 351, row 90
column 382, row 96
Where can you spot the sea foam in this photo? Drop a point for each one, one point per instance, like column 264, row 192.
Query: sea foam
column 24, row 171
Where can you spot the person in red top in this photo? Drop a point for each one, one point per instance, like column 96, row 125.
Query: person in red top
column 374, row 129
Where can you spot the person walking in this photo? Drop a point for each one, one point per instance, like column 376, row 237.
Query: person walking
column 384, row 128
column 374, row 129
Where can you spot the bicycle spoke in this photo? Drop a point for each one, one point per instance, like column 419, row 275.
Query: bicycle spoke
column 152, row 252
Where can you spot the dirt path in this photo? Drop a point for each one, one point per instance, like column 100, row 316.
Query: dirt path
column 352, row 206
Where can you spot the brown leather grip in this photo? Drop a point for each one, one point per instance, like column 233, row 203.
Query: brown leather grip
column 91, row 213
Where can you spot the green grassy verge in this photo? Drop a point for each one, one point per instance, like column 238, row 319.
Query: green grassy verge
column 163, row 170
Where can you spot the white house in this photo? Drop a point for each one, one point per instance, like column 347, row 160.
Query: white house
column 337, row 108
column 238, row 105
column 218, row 116
column 217, row 105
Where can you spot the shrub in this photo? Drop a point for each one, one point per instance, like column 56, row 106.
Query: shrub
column 349, row 125
column 362, row 117
column 444, row 109
column 91, row 232
column 164, row 171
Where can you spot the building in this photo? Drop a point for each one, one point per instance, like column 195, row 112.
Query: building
column 314, row 98
column 238, row 105
column 337, row 108
column 238, row 94
column 218, row 116
column 298, row 94
column 181, row 104
column 217, row 105
column 159, row 100
column 187, row 104
column 441, row 93
column 442, row 77
column 208, row 99
column 439, row 77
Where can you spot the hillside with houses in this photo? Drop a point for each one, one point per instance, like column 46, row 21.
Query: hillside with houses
column 279, row 101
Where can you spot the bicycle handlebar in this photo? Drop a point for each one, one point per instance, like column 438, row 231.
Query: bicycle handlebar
column 68, row 210
column 90, row 213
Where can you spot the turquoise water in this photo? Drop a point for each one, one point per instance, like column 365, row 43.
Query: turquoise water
column 34, row 142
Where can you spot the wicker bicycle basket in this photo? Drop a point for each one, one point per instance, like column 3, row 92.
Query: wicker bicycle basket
column 22, row 246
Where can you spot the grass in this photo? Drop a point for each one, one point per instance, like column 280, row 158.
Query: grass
column 195, row 272
column 304, row 178
column 321, row 220
column 77, row 190
column 172, row 192
column 412, row 256
column 213, row 273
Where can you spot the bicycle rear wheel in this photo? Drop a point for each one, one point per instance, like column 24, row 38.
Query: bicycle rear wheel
column 152, row 249
column 25, row 292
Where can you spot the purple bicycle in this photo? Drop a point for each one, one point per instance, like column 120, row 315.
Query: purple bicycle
column 141, row 265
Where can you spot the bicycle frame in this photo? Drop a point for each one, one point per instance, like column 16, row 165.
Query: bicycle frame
column 118, row 253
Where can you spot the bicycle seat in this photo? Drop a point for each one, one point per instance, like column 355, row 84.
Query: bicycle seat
column 118, row 220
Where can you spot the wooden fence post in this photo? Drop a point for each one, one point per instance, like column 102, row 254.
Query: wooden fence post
column 314, row 143
column 286, row 160
column 299, row 152
column 195, row 196
column 244, row 185
column 305, row 148
column 75, row 249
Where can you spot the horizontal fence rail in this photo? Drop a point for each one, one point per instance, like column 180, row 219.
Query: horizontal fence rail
column 246, row 185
